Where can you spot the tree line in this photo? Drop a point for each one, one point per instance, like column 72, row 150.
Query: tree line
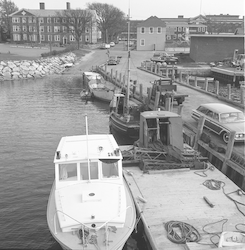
column 110, row 20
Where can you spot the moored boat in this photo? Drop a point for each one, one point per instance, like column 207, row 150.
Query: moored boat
column 90, row 203
column 98, row 87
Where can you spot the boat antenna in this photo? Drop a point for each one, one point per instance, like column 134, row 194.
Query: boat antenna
column 128, row 76
column 86, row 124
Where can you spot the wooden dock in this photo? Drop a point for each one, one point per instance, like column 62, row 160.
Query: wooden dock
column 205, row 199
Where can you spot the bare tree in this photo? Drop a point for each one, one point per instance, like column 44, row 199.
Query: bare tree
column 6, row 8
column 77, row 21
column 111, row 21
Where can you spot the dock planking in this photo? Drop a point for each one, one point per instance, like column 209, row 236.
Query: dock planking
column 178, row 195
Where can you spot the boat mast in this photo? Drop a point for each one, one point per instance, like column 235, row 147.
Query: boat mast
column 86, row 122
column 128, row 76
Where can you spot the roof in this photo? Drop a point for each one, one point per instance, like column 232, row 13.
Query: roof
column 40, row 12
column 159, row 114
column 220, row 107
column 82, row 147
column 218, row 35
column 152, row 21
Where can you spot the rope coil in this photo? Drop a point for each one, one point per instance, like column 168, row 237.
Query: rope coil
column 187, row 232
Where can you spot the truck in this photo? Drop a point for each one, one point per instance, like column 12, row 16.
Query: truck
column 167, row 90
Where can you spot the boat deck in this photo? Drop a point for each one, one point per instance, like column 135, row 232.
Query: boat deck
column 178, row 195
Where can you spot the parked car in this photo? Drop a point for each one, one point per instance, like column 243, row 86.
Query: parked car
column 112, row 60
column 222, row 119
column 112, row 44
column 105, row 46
column 164, row 57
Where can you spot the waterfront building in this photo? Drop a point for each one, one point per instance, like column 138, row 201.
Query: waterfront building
column 45, row 27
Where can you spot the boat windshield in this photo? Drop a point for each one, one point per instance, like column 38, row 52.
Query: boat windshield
column 68, row 172
column 109, row 168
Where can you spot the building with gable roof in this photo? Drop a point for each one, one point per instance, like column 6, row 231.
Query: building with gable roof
column 151, row 34
column 43, row 26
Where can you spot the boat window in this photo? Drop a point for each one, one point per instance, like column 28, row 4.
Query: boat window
column 68, row 172
column 110, row 169
column 94, row 174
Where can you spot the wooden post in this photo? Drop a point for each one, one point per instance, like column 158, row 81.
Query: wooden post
column 168, row 103
column 229, row 91
column 111, row 73
column 206, row 84
column 199, row 131
column 180, row 109
column 229, row 150
column 167, row 71
column 217, row 87
column 187, row 79
column 141, row 91
column 195, row 82
column 151, row 67
column 120, row 79
column 180, row 76
column 242, row 94
column 134, row 87
column 116, row 76
column 156, row 103
column 149, row 91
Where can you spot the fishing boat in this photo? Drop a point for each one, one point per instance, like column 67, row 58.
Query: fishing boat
column 125, row 110
column 90, row 206
column 98, row 87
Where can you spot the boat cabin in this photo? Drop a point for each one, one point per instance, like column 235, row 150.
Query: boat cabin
column 78, row 160
column 161, row 126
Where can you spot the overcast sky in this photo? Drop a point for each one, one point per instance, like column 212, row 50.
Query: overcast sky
column 142, row 9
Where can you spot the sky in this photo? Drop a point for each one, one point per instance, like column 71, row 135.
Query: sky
column 142, row 9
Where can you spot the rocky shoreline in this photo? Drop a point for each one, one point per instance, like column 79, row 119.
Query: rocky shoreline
column 29, row 69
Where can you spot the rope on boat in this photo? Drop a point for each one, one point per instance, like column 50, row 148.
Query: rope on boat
column 187, row 232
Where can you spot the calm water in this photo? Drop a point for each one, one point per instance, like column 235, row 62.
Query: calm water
column 34, row 115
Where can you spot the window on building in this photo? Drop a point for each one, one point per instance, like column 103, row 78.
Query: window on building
column 86, row 38
column 41, row 20
column 175, row 28
column 33, row 38
column 24, row 37
column 49, row 29
column 63, row 20
column 56, row 28
column 142, row 30
column 23, row 20
column 41, row 28
column 203, row 29
column 49, row 38
column 142, row 42
column 81, row 38
column 179, row 28
column 159, row 30
column 30, row 20
column 30, row 29
column 57, row 38
column 87, row 30
column 199, row 29
column 16, row 37
column 174, row 36
column 15, row 19
column 34, row 20
column 24, row 28
column 64, row 29
column 168, row 37
column 151, row 30
column 16, row 28
column 72, row 39
column 49, row 20
column 34, row 29
column 56, row 20
column 42, row 37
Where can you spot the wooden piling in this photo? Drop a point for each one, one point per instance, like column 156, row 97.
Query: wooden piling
column 229, row 91
column 199, row 131
column 156, row 103
column 217, row 87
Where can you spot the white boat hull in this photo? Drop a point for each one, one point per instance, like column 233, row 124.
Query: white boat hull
column 103, row 95
column 70, row 240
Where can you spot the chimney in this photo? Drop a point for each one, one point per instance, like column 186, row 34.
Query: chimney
column 42, row 6
column 180, row 16
column 68, row 7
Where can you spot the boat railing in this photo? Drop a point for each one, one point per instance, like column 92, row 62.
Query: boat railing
column 85, row 226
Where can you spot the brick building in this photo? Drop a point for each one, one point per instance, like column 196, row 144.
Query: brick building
column 43, row 26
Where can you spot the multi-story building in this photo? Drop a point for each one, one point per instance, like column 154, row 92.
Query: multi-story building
column 44, row 26
column 151, row 34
